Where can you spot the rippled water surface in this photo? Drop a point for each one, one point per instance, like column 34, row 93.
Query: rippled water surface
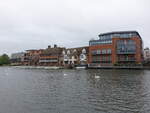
column 74, row 91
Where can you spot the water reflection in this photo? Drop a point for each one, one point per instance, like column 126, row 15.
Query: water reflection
column 74, row 91
column 118, row 90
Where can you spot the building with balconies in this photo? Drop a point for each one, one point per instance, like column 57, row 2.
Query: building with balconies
column 125, row 47
column 51, row 56
column 31, row 57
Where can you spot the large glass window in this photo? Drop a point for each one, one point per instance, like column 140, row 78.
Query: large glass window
column 98, row 51
column 107, row 38
column 103, row 51
column 126, row 46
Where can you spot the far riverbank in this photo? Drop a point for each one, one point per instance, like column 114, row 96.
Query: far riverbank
column 100, row 67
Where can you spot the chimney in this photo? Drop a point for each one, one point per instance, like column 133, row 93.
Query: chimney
column 49, row 46
column 55, row 46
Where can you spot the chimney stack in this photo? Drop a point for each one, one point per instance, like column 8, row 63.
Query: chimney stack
column 49, row 46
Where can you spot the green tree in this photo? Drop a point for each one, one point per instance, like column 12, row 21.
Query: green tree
column 4, row 59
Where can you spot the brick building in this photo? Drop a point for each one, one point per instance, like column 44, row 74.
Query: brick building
column 51, row 56
column 31, row 57
column 123, row 48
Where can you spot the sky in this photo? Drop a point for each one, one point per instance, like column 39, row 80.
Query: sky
column 35, row 24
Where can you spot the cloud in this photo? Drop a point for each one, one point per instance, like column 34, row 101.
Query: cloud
column 27, row 24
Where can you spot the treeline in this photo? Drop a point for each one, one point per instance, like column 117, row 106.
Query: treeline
column 4, row 60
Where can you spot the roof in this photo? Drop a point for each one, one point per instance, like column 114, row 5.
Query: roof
column 35, row 50
column 119, row 32
column 53, row 51
column 78, row 50
column 31, row 50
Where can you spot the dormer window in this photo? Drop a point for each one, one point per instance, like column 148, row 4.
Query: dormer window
column 84, row 51
column 63, row 52
column 74, row 50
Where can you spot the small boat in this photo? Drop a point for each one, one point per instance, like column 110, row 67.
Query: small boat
column 51, row 67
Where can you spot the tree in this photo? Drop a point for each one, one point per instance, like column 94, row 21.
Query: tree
column 4, row 59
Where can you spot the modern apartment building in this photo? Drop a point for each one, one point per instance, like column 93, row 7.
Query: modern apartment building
column 113, row 48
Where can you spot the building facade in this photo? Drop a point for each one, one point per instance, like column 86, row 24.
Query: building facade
column 51, row 56
column 146, row 54
column 123, row 48
column 75, row 56
column 17, row 58
column 31, row 57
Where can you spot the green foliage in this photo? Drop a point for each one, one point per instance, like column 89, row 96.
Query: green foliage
column 4, row 59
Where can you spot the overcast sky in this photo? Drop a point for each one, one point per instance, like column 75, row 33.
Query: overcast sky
column 34, row 24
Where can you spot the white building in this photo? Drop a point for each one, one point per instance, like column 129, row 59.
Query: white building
column 17, row 57
column 146, row 54
column 75, row 56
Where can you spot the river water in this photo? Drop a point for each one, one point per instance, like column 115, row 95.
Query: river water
column 74, row 91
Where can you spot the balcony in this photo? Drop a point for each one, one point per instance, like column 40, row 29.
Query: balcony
column 46, row 61
column 126, row 52
column 126, row 59
column 107, row 53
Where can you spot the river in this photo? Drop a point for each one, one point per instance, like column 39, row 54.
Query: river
column 74, row 91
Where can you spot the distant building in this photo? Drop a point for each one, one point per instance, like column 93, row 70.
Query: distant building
column 123, row 48
column 17, row 58
column 51, row 56
column 75, row 56
column 31, row 57
column 146, row 54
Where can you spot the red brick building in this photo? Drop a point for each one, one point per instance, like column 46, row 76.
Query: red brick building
column 123, row 48
column 31, row 57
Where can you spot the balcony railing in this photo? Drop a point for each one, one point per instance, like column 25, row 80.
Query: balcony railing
column 126, row 52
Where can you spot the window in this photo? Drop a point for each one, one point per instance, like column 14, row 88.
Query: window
column 104, row 58
column 84, row 51
column 109, row 58
column 98, row 51
column 104, row 51
column 94, row 52
column 94, row 59
column 126, row 46
column 68, row 52
column 106, row 39
column 109, row 51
